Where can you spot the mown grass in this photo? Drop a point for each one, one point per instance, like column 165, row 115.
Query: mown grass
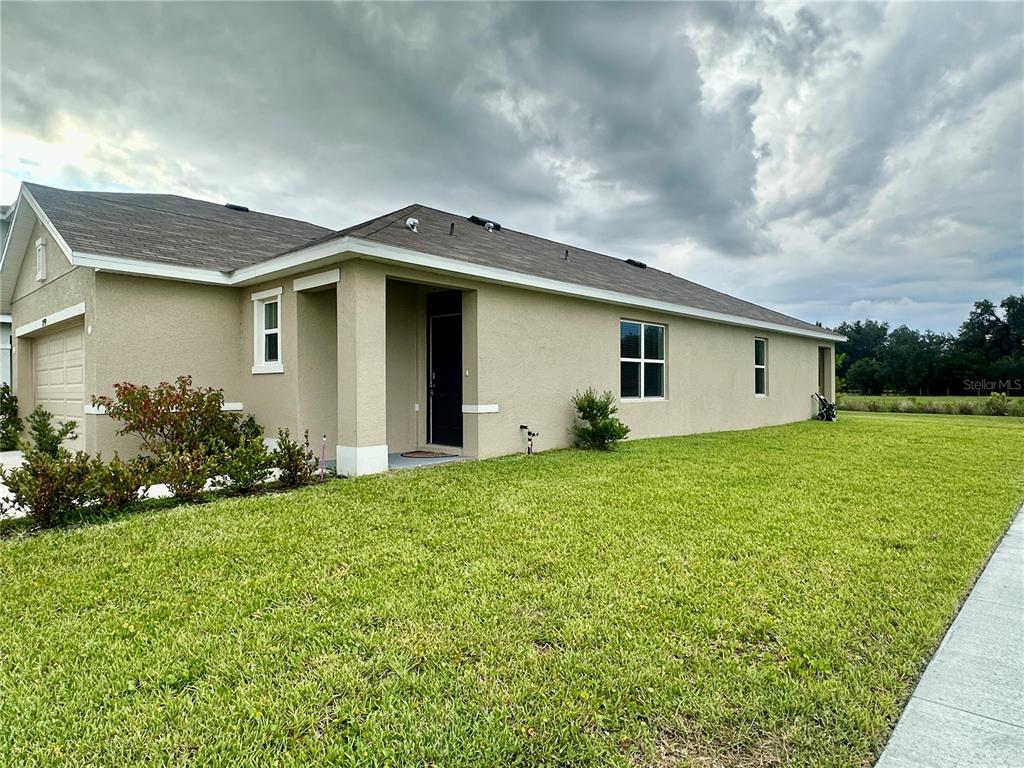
column 752, row 598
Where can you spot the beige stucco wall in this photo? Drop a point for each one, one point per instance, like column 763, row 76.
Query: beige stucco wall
column 528, row 352
column 146, row 330
column 317, row 360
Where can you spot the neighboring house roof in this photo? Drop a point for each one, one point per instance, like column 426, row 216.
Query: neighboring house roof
column 168, row 229
column 195, row 240
column 537, row 256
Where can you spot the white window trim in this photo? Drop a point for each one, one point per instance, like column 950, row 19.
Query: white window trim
column 764, row 367
column 643, row 360
column 41, row 260
column 259, row 300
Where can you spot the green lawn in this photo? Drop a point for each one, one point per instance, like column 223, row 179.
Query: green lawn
column 751, row 598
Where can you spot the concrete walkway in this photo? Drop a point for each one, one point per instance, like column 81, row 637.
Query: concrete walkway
column 968, row 708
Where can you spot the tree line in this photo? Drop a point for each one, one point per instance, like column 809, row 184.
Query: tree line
column 985, row 355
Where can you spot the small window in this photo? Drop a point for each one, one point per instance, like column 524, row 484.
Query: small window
column 761, row 367
column 267, row 332
column 41, row 259
column 641, row 360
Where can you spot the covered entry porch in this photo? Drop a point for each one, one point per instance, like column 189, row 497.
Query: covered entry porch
column 406, row 368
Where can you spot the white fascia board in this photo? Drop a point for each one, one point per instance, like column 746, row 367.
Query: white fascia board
column 547, row 285
column 57, row 317
column 150, row 269
column 5, row 318
column 290, row 261
column 316, row 281
column 47, row 223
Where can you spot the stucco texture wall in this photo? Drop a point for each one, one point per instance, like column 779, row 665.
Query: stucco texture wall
column 528, row 352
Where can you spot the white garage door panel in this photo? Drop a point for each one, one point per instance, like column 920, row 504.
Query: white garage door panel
column 58, row 366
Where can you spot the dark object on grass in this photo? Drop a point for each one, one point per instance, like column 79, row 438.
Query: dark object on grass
column 826, row 410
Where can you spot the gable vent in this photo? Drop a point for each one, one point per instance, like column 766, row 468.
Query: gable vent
column 635, row 263
column 236, row 207
column 490, row 226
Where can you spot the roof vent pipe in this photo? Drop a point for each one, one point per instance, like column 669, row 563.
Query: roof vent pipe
column 566, row 257
column 412, row 224
column 451, row 229
column 489, row 226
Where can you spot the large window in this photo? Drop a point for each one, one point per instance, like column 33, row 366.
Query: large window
column 641, row 360
column 761, row 367
column 267, row 332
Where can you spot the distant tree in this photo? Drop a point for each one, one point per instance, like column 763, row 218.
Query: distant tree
column 864, row 377
column 989, row 345
column 903, row 360
column 864, row 339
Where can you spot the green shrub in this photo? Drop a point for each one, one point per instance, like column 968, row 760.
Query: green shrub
column 296, row 461
column 597, row 427
column 43, row 436
column 51, row 490
column 247, row 466
column 1016, row 407
column 996, row 404
column 120, row 484
column 966, row 408
column 185, row 470
column 10, row 422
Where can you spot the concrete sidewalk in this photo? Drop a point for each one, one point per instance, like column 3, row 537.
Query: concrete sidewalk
column 968, row 708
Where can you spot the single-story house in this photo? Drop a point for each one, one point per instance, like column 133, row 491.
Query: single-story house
column 419, row 329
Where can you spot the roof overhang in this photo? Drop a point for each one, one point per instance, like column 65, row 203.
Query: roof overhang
column 347, row 247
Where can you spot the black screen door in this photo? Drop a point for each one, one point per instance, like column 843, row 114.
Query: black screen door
column 444, row 385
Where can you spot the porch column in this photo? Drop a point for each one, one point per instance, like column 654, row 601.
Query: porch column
column 362, row 409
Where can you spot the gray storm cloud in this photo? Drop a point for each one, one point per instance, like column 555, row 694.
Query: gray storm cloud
column 834, row 161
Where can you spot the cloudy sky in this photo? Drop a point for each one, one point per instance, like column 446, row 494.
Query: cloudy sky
column 831, row 161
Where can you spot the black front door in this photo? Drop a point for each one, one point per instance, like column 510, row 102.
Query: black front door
column 444, row 372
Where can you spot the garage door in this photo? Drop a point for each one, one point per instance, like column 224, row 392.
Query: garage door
column 58, row 368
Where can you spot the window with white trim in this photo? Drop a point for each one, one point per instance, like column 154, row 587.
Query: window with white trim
column 267, row 332
column 641, row 360
column 761, row 367
column 41, row 259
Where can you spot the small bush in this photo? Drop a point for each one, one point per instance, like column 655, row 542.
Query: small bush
column 185, row 470
column 247, row 466
column 966, row 408
column 996, row 404
column 51, row 490
column 189, row 418
column 121, row 484
column 296, row 461
column 10, row 422
column 600, row 428
column 43, row 436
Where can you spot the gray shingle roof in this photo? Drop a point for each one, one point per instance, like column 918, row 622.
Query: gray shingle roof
column 531, row 255
column 168, row 229
column 173, row 230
